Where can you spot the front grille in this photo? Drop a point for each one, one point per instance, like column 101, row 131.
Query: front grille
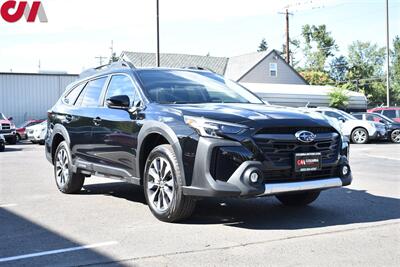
column 5, row 126
column 282, row 176
column 293, row 130
column 279, row 148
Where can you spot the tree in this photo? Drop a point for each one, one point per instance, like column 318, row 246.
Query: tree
column 319, row 46
column 314, row 77
column 113, row 58
column 294, row 46
column 263, row 46
column 395, row 72
column 338, row 98
column 365, row 71
column 338, row 69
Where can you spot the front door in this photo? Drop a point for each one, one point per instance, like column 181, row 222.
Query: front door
column 115, row 135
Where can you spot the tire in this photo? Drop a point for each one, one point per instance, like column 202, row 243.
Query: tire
column 2, row 147
column 67, row 181
column 163, row 186
column 359, row 136
column 12, row 140
column 18, row 137
column 41, row 142
column 298, row 199
column 395, row 136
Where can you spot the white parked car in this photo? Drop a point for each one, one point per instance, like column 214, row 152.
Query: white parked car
column 37, row 133
column 359, row 131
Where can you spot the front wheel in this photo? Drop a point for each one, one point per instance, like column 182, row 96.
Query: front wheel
column 395, row 136
column 163, row 183
column 67, row 181
column 12, row 140
column 298, row 199
column 359, row 136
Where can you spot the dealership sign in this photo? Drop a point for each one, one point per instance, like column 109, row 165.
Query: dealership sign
column 13, row 11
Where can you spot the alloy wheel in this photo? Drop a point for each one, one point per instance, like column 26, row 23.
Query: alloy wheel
column 396, row 136
column 160, row 184
column 62, row 167
column 359, row 136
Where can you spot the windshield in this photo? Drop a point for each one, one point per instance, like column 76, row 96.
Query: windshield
column 190, row 87
column 2, row 117
column 347, row 115
column 383, row 117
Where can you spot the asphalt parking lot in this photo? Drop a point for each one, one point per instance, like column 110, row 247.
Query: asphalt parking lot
column 109, row 222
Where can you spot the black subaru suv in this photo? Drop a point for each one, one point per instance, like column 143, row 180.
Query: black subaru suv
column 186, row 134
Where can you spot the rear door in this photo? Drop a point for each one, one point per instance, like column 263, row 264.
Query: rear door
column 115, row 135
column 80, row 121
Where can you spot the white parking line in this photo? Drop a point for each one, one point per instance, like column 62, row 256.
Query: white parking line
column 57, row 251
column 382, row 157
column 8, row 205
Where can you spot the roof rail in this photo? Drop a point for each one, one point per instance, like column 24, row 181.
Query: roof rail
column 198, row 68
column 115, row 65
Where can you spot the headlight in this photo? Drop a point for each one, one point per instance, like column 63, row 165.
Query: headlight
column 12, row 126
column 211, row 128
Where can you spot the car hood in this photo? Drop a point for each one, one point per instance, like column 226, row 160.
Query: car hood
column 252, row 115
column 5, row 121
column 36, row 127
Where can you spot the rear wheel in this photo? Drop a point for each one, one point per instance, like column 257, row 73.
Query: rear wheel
column 2, row 147
column 163, row 183
column 67, row 181
column 359, row 136
column 298, row 199
column 395, row 136
column 12, row 140
column 18, row 137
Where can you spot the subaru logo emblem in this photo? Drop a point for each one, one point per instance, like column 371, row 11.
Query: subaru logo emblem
column 305, row 136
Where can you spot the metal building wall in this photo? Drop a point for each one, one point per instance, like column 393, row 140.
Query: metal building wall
column 29, row 96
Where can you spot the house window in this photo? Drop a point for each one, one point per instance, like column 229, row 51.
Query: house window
column 273, row 69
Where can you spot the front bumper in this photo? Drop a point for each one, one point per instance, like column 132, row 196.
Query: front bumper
column 239, row 183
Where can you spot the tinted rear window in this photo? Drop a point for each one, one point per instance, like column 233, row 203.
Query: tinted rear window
column 91, row 95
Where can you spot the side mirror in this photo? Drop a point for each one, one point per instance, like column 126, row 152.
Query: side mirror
column 10, row 118
column 342, row 119
column 118, row 102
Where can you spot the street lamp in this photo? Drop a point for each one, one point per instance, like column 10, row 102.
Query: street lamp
column 158, row 37
column 387, row 54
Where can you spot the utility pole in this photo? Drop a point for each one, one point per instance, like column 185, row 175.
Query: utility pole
column 287, row 48
column 387, row 55
column 158, row 36
column 39, row 65
column 101, row 58
column 112, row 51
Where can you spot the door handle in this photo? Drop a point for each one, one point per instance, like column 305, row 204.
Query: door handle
column 97, row 121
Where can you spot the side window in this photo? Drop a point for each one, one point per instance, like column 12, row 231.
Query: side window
column 389, row 113
column 71, row 97
column 358, row 116
column 333, row 114
column 122, row 85
column 370, row 117
column 273, row 69
column 91, row 95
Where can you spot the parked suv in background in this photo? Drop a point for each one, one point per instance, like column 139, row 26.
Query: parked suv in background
column 390, row 112
column 21, row 130
column 392, row 127
column 7, row 129
column 359, row 132
column 186, row 134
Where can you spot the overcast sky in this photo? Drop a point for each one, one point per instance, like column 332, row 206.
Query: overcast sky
column 80, row 30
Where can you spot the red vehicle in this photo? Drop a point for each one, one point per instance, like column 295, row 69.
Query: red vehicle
column 21, row 130
column 390, row 112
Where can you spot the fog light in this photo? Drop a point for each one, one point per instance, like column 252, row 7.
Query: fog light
column 345, row 170
column 254, row 177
